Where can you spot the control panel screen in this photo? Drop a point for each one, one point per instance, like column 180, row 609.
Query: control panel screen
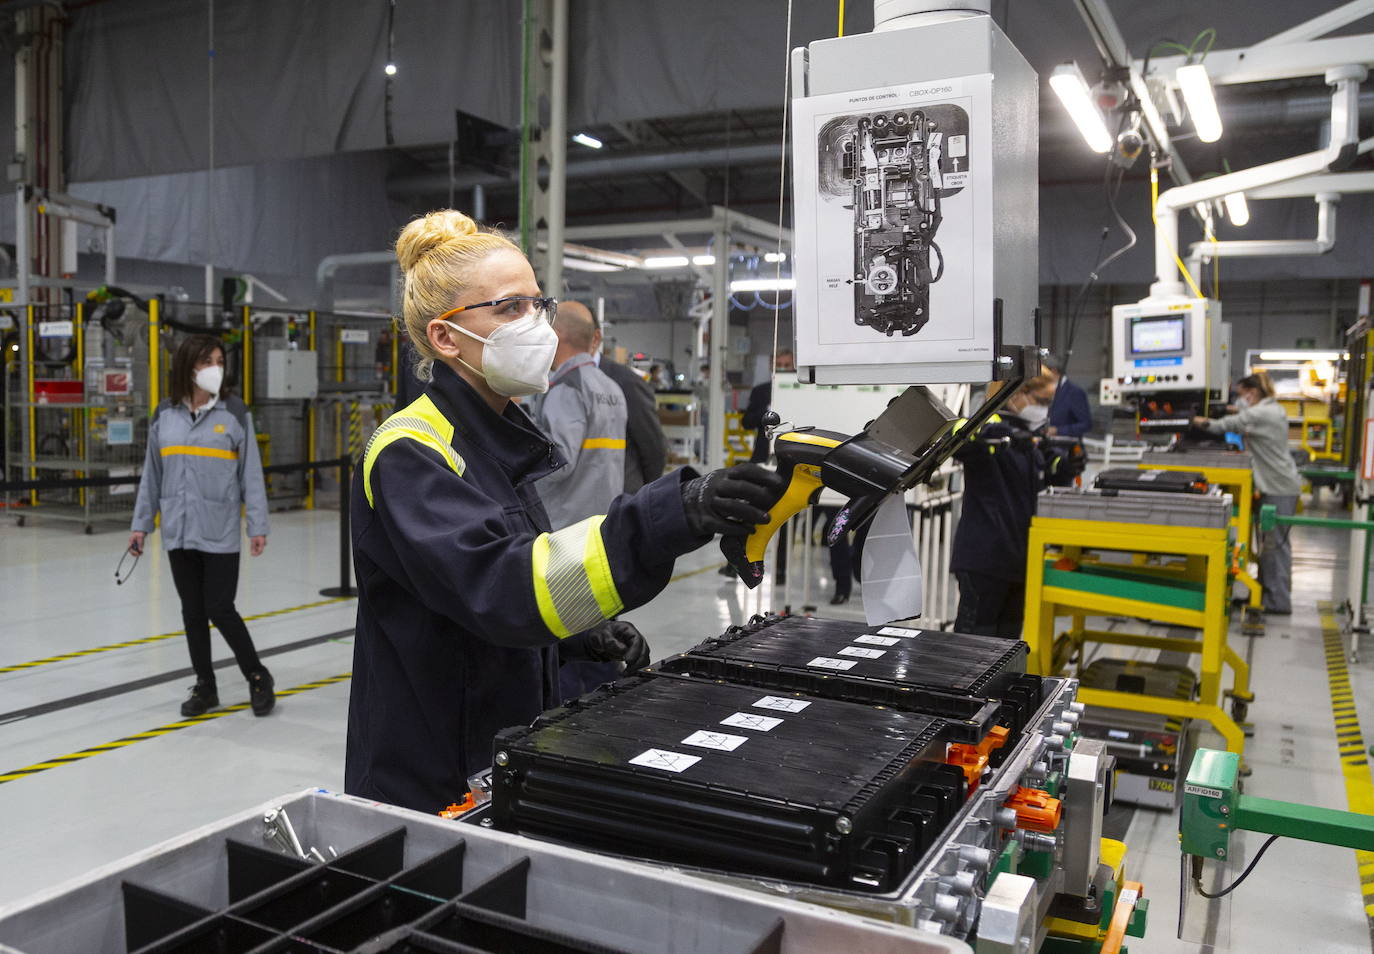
column 1158, row 335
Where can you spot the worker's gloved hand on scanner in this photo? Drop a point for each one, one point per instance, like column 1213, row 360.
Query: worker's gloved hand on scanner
column 1065, row 461
column 731, row 501
column 611, row 641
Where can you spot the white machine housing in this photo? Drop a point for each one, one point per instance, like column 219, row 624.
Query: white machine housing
column 1170, row 344
column 926, row 134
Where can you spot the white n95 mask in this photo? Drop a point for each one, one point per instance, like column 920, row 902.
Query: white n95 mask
column 517, row 356
column 1034, row 414
column 209, row 378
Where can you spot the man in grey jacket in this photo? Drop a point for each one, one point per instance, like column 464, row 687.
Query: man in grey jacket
column 646, row 446
column 1262, row 421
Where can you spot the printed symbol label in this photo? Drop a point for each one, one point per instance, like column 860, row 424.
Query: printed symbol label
column 716, row 740
column 825, row 662
column 878, row 640
column 56, row 329
column 899, row 631
column 750, row 720
column 781, row 704
column 353, row 335
column 958, row 145
column 667, row 761
column 863, row 653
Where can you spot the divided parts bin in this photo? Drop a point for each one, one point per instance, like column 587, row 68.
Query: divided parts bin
column 407, row 882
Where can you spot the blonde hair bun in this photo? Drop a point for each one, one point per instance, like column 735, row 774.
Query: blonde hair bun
column 431, row 232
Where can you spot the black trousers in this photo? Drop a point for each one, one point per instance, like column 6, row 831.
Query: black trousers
column 206, row 583
column 989, row 606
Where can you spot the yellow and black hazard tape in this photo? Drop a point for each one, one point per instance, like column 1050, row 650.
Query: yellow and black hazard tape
column 145, row 640
column 1359, row 784
column 161, row 730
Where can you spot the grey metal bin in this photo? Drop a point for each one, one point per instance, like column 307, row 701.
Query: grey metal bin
column 398, row 880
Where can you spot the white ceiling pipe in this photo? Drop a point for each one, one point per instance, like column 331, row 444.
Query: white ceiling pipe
column 1200, row 252
column 1342, row 146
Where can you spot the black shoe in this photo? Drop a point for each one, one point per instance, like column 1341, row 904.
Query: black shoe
column 203, row 698
column 260, row 692
column 839, row 599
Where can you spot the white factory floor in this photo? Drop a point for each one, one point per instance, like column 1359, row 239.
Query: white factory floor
column 58, row 596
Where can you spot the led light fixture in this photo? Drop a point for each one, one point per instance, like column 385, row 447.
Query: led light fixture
column 763, row 284
column 774, row 257
column 591, row 142
column 1068, row 84
column 1237, row 209
column 389, row 69
column 667, row 261
column 1202, row 105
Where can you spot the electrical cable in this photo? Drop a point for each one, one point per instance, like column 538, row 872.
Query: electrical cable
column 1197, row 885
column 782, row 185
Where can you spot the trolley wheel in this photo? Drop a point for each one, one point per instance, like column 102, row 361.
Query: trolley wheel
column 1239, row 710
column 18, row 521
column 89, row 529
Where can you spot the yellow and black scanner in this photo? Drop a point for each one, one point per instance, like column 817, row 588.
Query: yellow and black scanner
column 898, row 450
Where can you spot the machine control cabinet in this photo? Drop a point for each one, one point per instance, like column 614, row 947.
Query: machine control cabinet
column 1165, row 345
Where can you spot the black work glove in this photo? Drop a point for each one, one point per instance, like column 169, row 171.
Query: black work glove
column 611, row 641
column 731, row 501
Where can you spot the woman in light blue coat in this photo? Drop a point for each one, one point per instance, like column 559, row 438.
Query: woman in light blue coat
column 202, row 465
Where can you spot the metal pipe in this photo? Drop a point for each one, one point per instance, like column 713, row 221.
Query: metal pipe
column 1268, row 248
column 720, row 344
column 324, row 272
column 1342, row 147
column 558, row 150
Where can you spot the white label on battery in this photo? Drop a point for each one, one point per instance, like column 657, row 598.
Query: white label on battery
column 667, row 761
column 899, row 631
column 825, row 662
column 1150, row 474
column 781, row 704
column 1191, row 789
column 752, row 720
column 863, row 653
column 957, row 145
column 716, row 740
column 353, row 335
column 877, row 640
column 56, row 329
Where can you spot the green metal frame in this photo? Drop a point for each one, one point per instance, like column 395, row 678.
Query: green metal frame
column 1213, row 808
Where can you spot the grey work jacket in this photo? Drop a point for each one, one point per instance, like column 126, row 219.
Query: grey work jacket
column 584, row 415
column 198, row 472
column 1265, row 429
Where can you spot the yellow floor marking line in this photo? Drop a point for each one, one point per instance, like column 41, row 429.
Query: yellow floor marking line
column 77, row 654
column 161, row 730
column 1359, row 784
column 697, row 572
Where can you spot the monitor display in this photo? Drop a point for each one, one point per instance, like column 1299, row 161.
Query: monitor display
column 1157, row 335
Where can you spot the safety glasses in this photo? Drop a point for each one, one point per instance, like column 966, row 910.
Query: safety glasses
column 516, row 306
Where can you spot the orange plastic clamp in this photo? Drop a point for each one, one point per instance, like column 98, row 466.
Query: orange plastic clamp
column 973, row 759
column 460, row 808
column 1035, row 810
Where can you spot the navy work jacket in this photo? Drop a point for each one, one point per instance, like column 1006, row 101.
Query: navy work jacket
column 464, row 595
column 1003, row 474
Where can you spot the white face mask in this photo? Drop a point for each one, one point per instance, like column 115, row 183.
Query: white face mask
column 1034, row 414
column 516, row 356
column 209, row 378
column 1242, row 401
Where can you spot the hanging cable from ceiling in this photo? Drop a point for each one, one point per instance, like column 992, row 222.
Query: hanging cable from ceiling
column 782, row 184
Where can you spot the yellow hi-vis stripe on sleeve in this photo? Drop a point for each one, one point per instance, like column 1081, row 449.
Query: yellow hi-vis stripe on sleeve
column 604, row 443
column 572, row 578
column 421, row 421
column 189, row 451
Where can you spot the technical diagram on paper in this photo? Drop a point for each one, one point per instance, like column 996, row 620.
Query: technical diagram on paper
column 891, row 217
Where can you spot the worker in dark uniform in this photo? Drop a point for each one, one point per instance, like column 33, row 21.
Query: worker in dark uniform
column 464, row 595
column 1006, row 465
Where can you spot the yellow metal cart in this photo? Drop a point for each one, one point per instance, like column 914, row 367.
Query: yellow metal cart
column 1171, row 574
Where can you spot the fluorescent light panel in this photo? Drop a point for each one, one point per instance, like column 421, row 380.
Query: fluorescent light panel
column 1068, row 84
column 667, row 261
column 591, row 142
column 1300, row 355
column 763, row 284
column 1237, row 209
column 703, row 260
column 774, row 257
column 1202, row 105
